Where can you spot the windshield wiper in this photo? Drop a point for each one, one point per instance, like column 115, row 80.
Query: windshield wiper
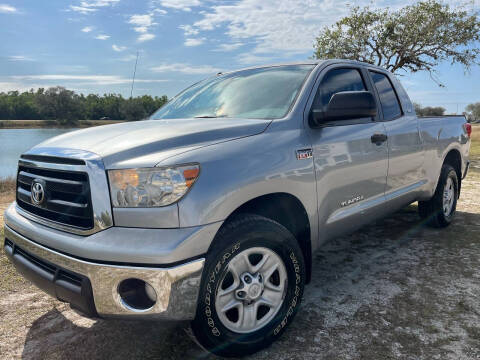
column 208, row 116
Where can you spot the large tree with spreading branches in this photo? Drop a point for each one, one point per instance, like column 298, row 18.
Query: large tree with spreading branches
column 414, row 38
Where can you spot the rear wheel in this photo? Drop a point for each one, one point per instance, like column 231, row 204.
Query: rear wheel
column 440, row 209
column 251, row 287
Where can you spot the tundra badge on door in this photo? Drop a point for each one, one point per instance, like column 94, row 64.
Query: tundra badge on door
column 352, row 201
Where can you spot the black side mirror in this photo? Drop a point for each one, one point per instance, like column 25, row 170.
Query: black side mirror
column 346, row 105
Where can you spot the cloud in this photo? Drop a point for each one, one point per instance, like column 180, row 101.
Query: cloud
column 228, row 47
column 194, row 42
column 82, row 10
column 102, row 37
column 189, row 30
column 99, row 3
column 275, row 25
column 142, row 25
column 87, row 29
column 141, row 29
column 251, row 59
column 145, row 20
column 88, row 7
column 7, row 9
column 185, row 68
column 20, row 58
column 160, row 11
column 184, row 5
column 146, row 37
column 119, row 48
column 84, row 79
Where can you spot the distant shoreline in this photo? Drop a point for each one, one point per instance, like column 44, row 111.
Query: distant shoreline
column 42, row 124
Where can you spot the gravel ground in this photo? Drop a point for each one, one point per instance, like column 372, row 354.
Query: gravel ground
column 393, row 290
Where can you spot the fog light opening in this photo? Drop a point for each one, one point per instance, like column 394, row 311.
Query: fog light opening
column 137, row 295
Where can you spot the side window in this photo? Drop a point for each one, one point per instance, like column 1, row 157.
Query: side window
column 388, row 98
column 337, row 80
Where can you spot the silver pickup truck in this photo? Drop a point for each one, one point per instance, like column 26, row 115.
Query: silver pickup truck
column 211, row 210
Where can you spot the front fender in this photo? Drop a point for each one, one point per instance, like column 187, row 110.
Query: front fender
column 237, row 171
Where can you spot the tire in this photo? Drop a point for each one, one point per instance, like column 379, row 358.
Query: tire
column 439, row 212
column 225, row 334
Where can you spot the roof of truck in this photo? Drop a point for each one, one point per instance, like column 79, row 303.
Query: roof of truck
column 306, row 62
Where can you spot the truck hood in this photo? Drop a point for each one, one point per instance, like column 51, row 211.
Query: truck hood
column 147, row 143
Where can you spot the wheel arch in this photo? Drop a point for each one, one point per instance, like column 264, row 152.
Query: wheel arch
column 454, row 159
column 287, row 210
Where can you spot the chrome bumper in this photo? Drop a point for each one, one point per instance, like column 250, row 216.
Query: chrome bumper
column 176, row 287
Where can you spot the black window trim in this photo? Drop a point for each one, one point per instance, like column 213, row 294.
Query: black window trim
column 387, row 75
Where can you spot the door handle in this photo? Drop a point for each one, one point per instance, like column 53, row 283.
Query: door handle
column 378, row 139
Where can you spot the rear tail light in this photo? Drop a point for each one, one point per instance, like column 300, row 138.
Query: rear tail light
column 468, row 128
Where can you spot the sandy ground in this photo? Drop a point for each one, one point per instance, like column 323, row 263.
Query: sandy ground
column 393, row 290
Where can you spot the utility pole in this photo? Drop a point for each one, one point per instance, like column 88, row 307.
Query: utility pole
column 134, row 72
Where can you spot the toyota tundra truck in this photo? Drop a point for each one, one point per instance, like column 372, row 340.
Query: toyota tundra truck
column 210, row 210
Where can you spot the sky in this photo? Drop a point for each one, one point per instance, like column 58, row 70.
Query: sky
column 90, row 46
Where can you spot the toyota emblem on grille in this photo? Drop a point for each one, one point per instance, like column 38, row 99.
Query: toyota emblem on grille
column 37, row 192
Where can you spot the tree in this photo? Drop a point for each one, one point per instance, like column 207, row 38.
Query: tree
column 58, row 103
column 61, row 104
column 414, row 38
column 428, row 110
column 473, row 111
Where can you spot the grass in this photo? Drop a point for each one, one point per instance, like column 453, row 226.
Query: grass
column 475, row 146
column 7, row 184
column 7, row 189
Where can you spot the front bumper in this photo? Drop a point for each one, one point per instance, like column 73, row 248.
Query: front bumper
column 92, row 287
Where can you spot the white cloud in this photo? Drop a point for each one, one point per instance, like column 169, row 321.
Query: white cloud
column 185, row 68
column 119, row 48
column 91, row 79
column 82, row 10
column 6, row 86
column 160, row 11
column 145, row 20
column 87, row 29
column 194, row 42
column 141, row 29
column 20, row 58
column 146, row 37
column 184, row 5
column 189, row 30
column 102, row 37
column 251, row 59
column 7, row 9
column 88, row 7
column 275, row 25
column 228, row 47
column 143, row 23
column 99, row 3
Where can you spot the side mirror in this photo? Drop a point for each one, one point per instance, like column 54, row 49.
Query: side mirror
column 346, row 105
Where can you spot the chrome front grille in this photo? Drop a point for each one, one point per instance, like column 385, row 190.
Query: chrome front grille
column 67, row 196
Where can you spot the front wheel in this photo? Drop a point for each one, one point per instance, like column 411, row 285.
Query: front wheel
column 251, row 287
column 440, row 209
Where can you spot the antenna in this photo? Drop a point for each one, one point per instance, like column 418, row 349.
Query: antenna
column 134, row 72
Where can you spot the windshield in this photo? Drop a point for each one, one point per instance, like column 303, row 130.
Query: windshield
column 262, row 93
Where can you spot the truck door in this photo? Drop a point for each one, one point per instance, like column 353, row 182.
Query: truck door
column 405, row 149
column 350, row 157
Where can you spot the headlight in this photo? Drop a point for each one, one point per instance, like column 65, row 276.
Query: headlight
column 151, row 187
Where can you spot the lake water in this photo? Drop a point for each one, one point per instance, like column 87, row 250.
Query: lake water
column 13, row 142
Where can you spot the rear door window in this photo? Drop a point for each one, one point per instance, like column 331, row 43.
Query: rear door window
column 388, row 98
